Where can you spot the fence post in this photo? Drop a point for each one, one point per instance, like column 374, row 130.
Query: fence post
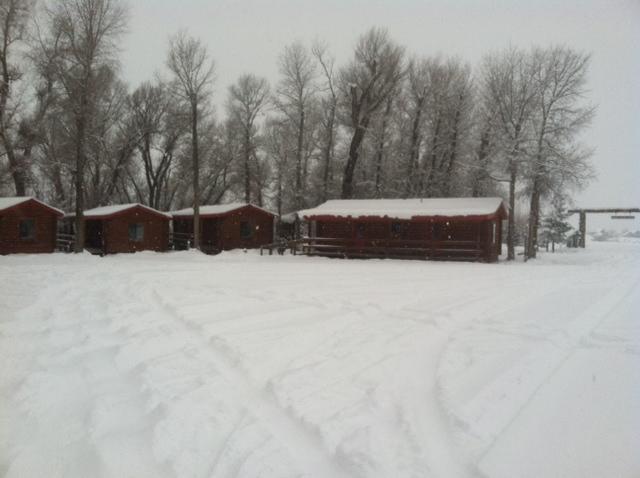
column 583, row 228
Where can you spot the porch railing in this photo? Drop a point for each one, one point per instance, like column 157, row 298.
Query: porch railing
column 391, row 248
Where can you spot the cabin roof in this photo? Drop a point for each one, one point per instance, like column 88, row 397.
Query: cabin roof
column 406, row 208
column 104, row 212
column 217, row 209
column 9, row 202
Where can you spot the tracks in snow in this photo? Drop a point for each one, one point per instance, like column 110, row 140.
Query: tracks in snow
column 304, row 445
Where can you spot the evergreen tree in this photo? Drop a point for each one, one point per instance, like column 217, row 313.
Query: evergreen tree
column 555, row 226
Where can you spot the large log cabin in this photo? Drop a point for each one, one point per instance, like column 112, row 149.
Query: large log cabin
column 440, row 228
column 27, row 226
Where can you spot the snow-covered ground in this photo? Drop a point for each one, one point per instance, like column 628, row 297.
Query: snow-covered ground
column 160, row 365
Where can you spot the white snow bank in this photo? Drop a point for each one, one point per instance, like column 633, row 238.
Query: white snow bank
column 238, row 365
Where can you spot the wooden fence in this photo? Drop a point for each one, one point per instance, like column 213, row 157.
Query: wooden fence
column 65, row 242
column 180, row 241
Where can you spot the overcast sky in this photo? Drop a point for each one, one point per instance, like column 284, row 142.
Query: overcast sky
column 248, row 35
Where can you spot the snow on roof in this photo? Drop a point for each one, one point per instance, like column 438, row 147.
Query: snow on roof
column 9, row 202
column 405, row 208
column 216, row 209
column 289, row 218
column 111, row 210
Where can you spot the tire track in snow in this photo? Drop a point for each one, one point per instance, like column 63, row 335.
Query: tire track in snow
column 305, row 446
column 587, row 322
column 434, row 427
column 491, row 413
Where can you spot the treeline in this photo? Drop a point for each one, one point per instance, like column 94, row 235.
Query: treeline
column 386, row 124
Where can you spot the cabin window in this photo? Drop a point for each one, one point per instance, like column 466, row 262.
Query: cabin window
column 360, row 228
column 136, row 232
column 245, row 230
column 494, row 229
column 442, row 231
column 399, row 230
column 27, row 229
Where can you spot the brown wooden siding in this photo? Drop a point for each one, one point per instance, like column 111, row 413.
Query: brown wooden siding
column 111, row 234
column 223, row 232
column 442, row 237
column 45, row 223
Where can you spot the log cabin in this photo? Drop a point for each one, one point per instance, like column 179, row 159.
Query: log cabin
column 439, row 228
column 126, row 228
column 27, row 226
column 225, row 227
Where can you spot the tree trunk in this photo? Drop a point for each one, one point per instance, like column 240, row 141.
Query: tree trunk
column 196, row 174
column 298, row 191
column 481, row 172
column 453, row 156
column 380, row 149
column 426, row 183
column 511, row 223
column 414, row 149
column 534, row 216
column 79, row 179
column 247, row 168
column 279, row 188
column 354, row 152
column 17, row 168
column 328, row 153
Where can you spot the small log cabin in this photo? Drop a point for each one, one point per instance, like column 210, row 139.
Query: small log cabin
column 27, row 225
column 225, row 227
column 126, row 228
column 442, row 228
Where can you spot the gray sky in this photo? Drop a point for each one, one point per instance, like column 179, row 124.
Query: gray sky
column 248, row 35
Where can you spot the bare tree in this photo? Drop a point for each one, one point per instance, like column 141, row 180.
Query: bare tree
column 380, row 148
column 295, row 96
column 14, row 15
column 278, row 150
column 417, row 92
column 366, row 82
column 479, row 166
column 110, row 142
column 159, row 130
column 192, row 69
column 509, row 90
column 328, row 106
column 247, row 98
column 85, row 33
column 559, row 116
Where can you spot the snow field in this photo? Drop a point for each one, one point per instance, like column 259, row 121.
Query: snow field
column 239, row 365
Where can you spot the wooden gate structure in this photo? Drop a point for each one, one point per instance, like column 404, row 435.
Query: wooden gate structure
column 583, row 217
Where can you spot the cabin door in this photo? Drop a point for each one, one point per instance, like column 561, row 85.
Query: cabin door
column 360, row 235
column 209, row 234
column 95, row 235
